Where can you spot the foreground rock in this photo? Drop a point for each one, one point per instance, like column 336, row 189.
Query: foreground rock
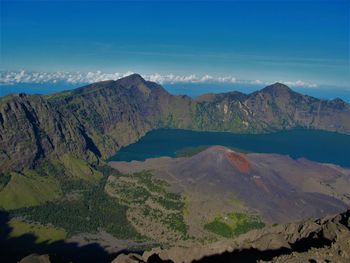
column 322, row 240
column 34, row 258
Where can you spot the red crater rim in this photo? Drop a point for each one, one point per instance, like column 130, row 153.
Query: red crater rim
column 239, row 161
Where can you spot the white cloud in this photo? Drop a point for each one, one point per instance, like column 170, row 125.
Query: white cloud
column 15, row 77
column 299, row 83
column 171, row 78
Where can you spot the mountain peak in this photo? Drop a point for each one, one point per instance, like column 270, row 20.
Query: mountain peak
column 277, row 88
column 135, row 82
column 132, row 79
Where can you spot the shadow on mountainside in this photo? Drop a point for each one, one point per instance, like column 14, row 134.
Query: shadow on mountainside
column 13, row 249
column 328, row 232
column 253, row 255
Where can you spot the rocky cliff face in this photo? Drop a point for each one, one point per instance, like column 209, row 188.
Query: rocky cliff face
column 96, row 120
column 273, row 108
column 31, row 128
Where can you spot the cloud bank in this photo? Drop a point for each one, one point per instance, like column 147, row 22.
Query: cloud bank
column 17, row 77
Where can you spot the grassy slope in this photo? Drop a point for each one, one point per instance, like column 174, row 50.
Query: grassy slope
column 36, row 187
column 28, row 189
column 79, row 169
column 43, row 233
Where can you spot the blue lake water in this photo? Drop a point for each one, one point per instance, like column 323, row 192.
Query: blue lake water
column 321, row 146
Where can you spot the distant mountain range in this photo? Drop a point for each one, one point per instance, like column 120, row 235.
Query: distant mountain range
column 94, row 121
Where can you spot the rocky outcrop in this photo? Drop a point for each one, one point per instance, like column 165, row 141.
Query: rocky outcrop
column 94, row 121
column 322, row 240
column 34, row 258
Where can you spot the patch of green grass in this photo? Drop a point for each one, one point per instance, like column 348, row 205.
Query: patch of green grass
column 28, row 189
column 233, row 224
column 43, row 233
column 79, row 168
column 46, row 182
column 72, row 174
column 219, row 228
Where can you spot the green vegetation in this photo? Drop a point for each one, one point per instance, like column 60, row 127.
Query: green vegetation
column 219, row 228
column 233, row 224
column 47, row 182
column 4, row 179
column 69, row 196
column 144, row 193
column 79, row 168
column 43, row 233
column 83, row 204
column 28, row 189
column 175, row 221
column 170, row 202
column 94, row 210
column 150, row 182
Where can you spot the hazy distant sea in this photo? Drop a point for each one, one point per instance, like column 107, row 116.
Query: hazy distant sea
column 190, row 89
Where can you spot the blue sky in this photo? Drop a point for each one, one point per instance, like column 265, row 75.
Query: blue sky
column 248, row 40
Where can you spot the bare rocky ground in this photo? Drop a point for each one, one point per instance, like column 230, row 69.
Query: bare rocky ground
column 321, row 240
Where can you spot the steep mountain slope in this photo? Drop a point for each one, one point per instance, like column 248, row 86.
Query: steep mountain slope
column 275, row 107
column 32, row 128
column 218, row 181
column 94, row 121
